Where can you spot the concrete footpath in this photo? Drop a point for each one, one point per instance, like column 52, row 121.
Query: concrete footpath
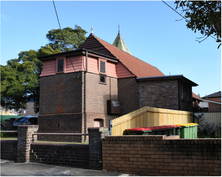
column 9, row 168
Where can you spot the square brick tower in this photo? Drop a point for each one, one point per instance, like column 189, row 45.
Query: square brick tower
column 74, row 89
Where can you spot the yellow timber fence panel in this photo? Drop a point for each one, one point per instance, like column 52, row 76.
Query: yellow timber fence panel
column 148, row 117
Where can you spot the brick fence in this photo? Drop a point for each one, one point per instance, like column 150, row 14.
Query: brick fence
column 27, row 149
column 158, row 156
column 9, row 149
column 73, row 155
column 140, row 155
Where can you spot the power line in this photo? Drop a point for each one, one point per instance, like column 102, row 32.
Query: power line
column 62, row 32
column 174, row 9
column 59, row 23
column 185, row 20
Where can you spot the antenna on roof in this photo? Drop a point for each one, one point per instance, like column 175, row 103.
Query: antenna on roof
column 119, row 29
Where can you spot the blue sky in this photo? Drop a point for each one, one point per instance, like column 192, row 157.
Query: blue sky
column 149, row 29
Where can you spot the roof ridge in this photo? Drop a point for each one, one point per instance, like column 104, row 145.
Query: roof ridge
column 112, row 53
column 121, row 51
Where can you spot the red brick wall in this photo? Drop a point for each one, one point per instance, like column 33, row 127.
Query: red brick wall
column 214, row 107
column 96, row 98
column 157, row 156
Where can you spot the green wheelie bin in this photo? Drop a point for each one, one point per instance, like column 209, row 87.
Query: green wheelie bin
column 185, row 131
column 193, row 126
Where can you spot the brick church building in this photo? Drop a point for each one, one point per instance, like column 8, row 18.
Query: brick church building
column 99, row 82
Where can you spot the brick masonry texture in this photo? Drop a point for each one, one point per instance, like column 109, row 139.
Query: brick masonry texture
column 95, row 146
column 185, row 102
column 60, row 124
column 60, row 154
column 128, row 94
column 73, row 120
column 166, row 94
column 27, row 149
column 96, row 98
column 9, row 149
column 24, row 141
column 154, row 155
column 71, row 93
column 160, row 94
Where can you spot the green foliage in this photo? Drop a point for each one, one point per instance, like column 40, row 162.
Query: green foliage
column 8, row 135
column 20, row 78
column 207, row 130
column 73, row 38
column 16, row 79
column 218, row 135
column 203, row 16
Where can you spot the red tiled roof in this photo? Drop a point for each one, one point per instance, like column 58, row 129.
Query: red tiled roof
column 195, row 96
column 133, row 64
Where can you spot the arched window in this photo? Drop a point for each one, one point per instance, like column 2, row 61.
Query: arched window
column 98, row 122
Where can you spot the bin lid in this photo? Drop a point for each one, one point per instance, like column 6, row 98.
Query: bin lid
column 152, row 128
column 193, row 124
column 184, row 125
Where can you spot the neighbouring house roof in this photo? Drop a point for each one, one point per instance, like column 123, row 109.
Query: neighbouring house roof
column 209, row 101
column 136, row 66
column 172, row 77
column 119, row 43
column 213, row 95
column 196, row 97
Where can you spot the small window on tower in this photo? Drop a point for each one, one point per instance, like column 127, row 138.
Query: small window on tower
column 102, row 66
column 60, row 65
column 102, row 79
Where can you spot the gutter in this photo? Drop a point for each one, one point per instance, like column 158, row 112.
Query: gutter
column 85, row 93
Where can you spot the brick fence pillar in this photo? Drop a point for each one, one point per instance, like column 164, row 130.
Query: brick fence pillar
column 95, row 146
column 24, row 141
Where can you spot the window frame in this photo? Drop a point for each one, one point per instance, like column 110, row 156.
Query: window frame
column 100, row 75
column 101, row 60
column 64, row 64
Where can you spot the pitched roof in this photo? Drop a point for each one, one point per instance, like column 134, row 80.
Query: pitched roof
column 196, row 97
column 138, row 67
column 119, row 43
column 213, row 95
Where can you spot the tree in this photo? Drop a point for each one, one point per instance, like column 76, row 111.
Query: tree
column 17, row 79
column 66, row 39
column 203, row 16
column 20, row 78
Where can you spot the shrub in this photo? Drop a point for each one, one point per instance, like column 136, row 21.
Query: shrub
column 207, row 130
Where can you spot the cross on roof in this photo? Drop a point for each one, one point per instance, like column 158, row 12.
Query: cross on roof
column 92, row 30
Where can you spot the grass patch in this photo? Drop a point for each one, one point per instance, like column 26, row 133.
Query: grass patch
column 9, row 138
column 59, row 142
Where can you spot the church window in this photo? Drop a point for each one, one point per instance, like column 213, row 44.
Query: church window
column 60, row 65
column 102, row 67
